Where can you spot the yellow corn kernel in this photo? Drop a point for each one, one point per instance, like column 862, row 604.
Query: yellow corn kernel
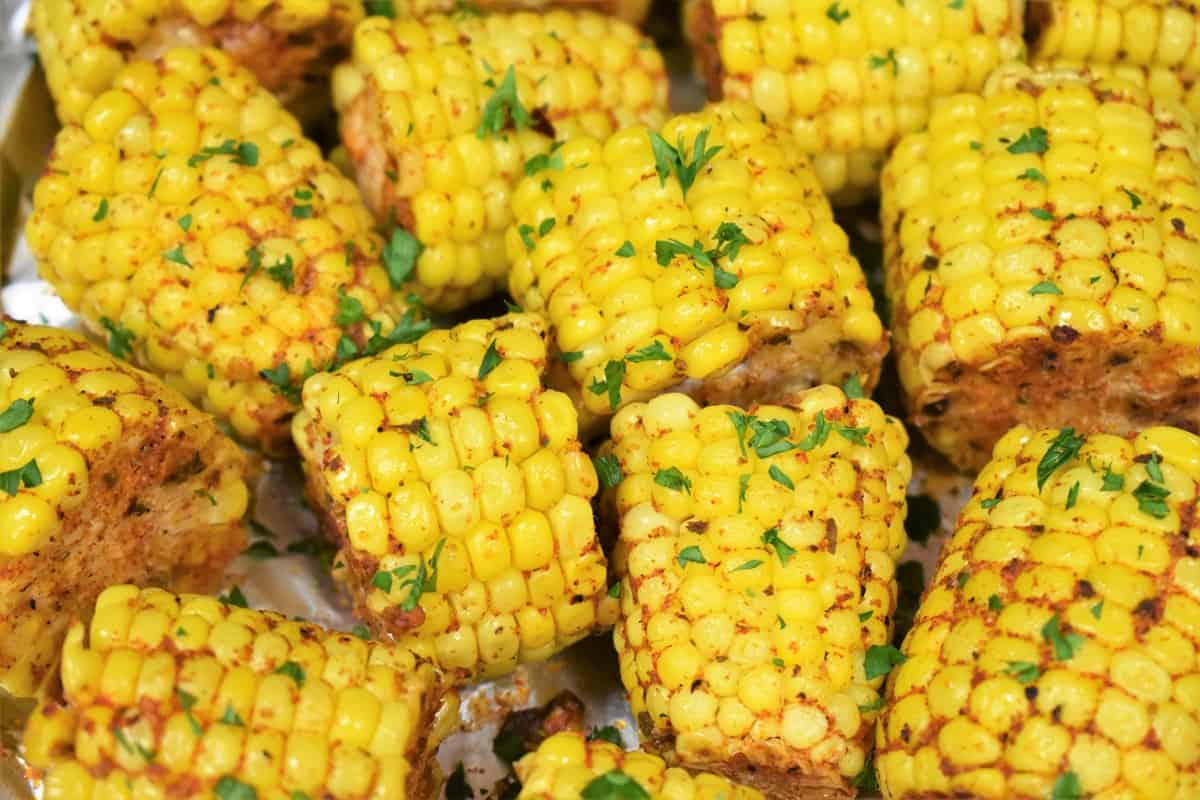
column 748, row 616
column 483, row 553
column 728, row 276
column 226, row 256
column 69, row 496
column 1024, row 693
column 214, row 744
column 86, row 47
column 1029, row 236
column 444, row 162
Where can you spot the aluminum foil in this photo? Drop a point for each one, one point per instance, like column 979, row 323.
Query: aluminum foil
column 296, row 582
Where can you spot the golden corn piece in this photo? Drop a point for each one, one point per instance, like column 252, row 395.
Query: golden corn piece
column 632, row 11
column 106, row 475
column 848, row 78
column 443, row 115
column 704, row 257
column 1054, row 653
column 568, row 766
column 757, row 552
column 189, row 222
column 1042, row 261
column 165, row 696
column 291, row 46
column 1154, row 41
column 460, row 496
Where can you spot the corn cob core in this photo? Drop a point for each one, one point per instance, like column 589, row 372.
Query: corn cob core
column 1157, row 39
column 165, row 696
column 757, row 552
column 565, row 764
column 105, row 474
column 729, row 280
column 84, row 44
column 459, row 494
column 1054, row 653
column 428, row 113
column 849, row 78
column 632, row 11
column 188, row 220
column 1041, row 257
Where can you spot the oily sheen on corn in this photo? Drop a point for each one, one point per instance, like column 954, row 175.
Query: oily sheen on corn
column 440, row 116
column 106, row 475
column 568, row 766
column 632, row 11
column 848, row 78
column 165, row 696
column 187, row 219
column 290, row 46
column 722, row 274
column 459, row 494
column 1043, row 264
column 1152, row 41
column 1055, row 652
column 757, row 552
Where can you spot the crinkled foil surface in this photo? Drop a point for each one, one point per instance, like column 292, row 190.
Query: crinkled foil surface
column 296, row 582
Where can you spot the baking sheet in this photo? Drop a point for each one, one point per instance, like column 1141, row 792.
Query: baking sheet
column 296, row 581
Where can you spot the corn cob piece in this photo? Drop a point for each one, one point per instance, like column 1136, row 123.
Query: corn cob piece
column 105, row 475
column 1041, row 257
column 1054, row 653
column 165, row 696
column 459, row 494
column 568, row 766
column 1154, row 42
column 632, row 11
column 442, row 115
column 757, row 553
column 850, row 77
column 704, row 258
column 290, row 46
column 188, row 220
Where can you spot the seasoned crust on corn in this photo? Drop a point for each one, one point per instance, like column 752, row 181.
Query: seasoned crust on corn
column 169, row 696
column 757, row 554
column 566, row 764
column 108, row 476
column 1054, row 652
column 459, row 494
column 610, row 243
column 1041, row 255
column 849, row 78
column 417, row 102
column 290, row 46
column 187, row 219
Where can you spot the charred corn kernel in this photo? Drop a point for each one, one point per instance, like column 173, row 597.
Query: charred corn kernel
column 1151, row 42
column 84, row 45
column 232, row 261
column 441, row 117
column 566, row 764
column 1052, row 654
column 758, row 580
column 257, row 733
column 849, row 78
column 469, row 537
column 632, row 11
column 721, row 271
column 1039, row 244
column 95, row 487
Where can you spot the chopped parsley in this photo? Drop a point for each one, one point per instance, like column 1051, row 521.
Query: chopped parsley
column 1151, row 499
column 817, row 436
column 281, row 272
column 783, row 550
column 668, row 159
column 651, row 352
column 503, row 108
column 671, row 478
column 349, row 309
column 17, row 414
column 1064, row 448
column 1134, row 200
column 753, row 563
column 176, row 255
column 625, row 250
column 29, row 475
column 1031, row 141
column 184, row 222
column 491, row 360
column 102, row 211
column 245, row 153
column 543, row 161
column 889, row 59
column 1045, row 287
column 1065, row 644
column 400, row 256
column 853, row 388
column 690, row 555
column 608, row 733
column 120, row 338
column 614, row 374
column 1073, row 495
column 234, row 598
column 880, row 659
column 994, row 603
column 836, row 13
column 608, row 470
column 281, row 379
column 292, row 670
column 1042, row 214
column 780, row 477
column 1067, row 787
column 1023, row 671
column 614, row 785
column 1032, row 174
column 230, row 788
